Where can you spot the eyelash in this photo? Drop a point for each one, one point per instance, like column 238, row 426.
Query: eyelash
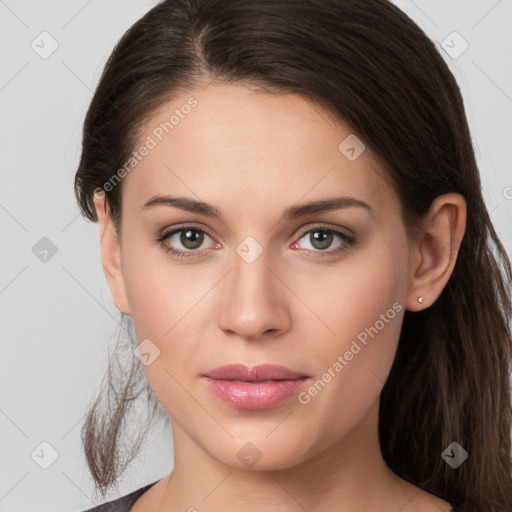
column 162, row 237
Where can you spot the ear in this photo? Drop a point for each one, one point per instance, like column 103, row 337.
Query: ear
column 435, row 250
column 111, row 253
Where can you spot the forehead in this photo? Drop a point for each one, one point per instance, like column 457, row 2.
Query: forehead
column 226, row 142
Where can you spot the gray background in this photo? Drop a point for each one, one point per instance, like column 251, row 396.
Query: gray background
column 56, row 315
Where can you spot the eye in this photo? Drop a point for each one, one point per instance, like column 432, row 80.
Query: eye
column 189, row 241
column 321, row 238
column 189, row 238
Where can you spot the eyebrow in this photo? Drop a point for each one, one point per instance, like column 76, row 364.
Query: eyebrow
column 290, row 213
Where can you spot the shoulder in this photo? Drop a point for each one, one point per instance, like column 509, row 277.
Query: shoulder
column 122, row 504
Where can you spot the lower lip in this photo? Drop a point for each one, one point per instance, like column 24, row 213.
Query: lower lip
column 255, row 395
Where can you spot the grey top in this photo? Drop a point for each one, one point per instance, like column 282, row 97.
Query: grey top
column 124, row 503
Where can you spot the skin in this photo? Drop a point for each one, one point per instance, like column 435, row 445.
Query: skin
column 251, row 155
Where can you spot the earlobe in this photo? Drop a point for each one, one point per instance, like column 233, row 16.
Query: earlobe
column 111, row 253
column 435, row 252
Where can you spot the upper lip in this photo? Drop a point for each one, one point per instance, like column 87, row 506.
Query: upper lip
column 255, row 373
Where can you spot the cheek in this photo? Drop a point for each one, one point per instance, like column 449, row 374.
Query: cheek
column 363, row 305
column 355, row 296
column 160, row 292
column 169, row 305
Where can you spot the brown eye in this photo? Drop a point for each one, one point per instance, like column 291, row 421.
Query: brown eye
column 184, row 242
column 321, row 239
column 191, row 239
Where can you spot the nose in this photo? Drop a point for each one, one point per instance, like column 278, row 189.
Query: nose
column 254, row 304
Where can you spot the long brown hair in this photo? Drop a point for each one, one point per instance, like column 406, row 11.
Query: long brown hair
column 372, row 67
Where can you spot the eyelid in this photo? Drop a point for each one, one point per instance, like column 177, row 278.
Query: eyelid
column 327, row 227
column 186, row 225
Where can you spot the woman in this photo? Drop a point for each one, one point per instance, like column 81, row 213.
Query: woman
column 290, row 213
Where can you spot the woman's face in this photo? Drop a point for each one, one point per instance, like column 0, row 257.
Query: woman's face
column 264, row 281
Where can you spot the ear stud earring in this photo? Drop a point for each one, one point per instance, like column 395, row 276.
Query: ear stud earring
column 420, row 300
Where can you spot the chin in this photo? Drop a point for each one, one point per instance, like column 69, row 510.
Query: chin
column 257, row 453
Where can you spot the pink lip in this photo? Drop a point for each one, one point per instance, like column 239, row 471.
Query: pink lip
column 259, row 387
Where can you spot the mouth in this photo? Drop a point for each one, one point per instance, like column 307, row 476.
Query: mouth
column 258, row 387
column 263, row 372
